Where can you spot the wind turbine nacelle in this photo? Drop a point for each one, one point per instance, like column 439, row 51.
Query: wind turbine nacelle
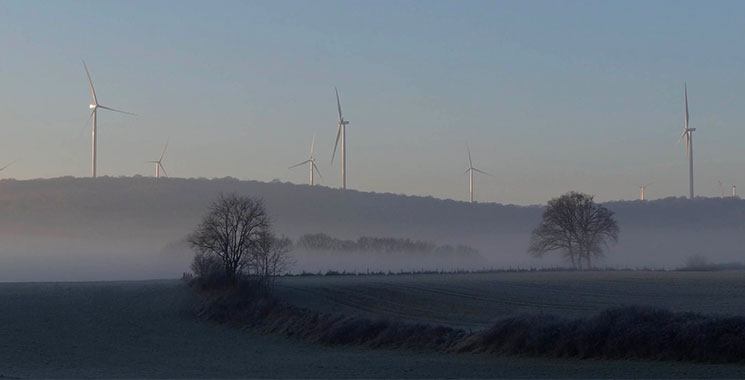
column 345, row 122
column 92, row 106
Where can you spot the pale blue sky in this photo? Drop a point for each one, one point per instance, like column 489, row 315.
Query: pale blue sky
column 551, row 96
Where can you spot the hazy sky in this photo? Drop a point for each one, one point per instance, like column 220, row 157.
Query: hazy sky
column 551, row 96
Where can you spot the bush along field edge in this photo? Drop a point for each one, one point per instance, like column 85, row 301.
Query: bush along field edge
column 632, row 332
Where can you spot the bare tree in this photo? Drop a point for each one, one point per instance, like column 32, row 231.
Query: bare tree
column 231, row 230
column 577, row 227
column 269, row 259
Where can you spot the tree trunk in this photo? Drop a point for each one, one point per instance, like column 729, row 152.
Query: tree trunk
column 230, row 273
column 574, row 262
column 573, row 258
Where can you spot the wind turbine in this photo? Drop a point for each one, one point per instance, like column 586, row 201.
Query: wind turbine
column 642, row 188
column 734, row 191
column 95, row 106
column 470, row 171
column 312, row 161
column 721, row 188
column 341, row 130
column 159, row 163
column 688, row 134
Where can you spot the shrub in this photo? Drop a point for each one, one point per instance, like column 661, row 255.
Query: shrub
column 208, row 269
column 634, row 332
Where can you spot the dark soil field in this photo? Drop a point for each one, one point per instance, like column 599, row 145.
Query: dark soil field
column 475, row 301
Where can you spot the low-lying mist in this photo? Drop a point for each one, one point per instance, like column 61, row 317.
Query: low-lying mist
column 79, row 229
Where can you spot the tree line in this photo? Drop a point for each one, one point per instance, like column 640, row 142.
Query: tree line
column 324, row 242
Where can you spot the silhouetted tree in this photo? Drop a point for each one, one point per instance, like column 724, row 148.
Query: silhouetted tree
column 577, row 227
column 232, row 229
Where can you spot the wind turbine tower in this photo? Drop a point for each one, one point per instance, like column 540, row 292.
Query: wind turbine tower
column 734, row 191
column 341, row 131
column 688, row 134
column 95, row 106
column 470, row 172
column 642, row 188
column 312, row 161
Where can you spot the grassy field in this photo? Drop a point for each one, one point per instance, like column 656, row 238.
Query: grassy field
column 145, row 329
column 476, row 300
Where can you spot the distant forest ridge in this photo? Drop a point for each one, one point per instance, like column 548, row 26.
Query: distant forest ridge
column 181, row 202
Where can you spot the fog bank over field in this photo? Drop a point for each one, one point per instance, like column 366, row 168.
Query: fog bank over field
column 133, row 228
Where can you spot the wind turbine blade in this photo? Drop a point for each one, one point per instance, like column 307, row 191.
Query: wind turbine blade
column 3, row 168
column 304, row 162
column 338, row 104
column 482, row 172
column 116, row 110
column 470, row 163
column 338, row 132
column 163, row 169
column 317, row 170
column 93, row 92
column 86, row 125
column 90, row 116
column 312, row 144
column 681, row 136
column 164, row 152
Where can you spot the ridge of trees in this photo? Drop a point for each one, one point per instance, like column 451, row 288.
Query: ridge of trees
column 324, row 242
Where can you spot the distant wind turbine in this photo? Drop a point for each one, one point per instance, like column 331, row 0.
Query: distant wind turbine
column 341, row 131
column 688, row 134
column 159, row 163
column 642, row 188
column 470, row 171
column 95, row 106
column 312, row 161
column 734, row 191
